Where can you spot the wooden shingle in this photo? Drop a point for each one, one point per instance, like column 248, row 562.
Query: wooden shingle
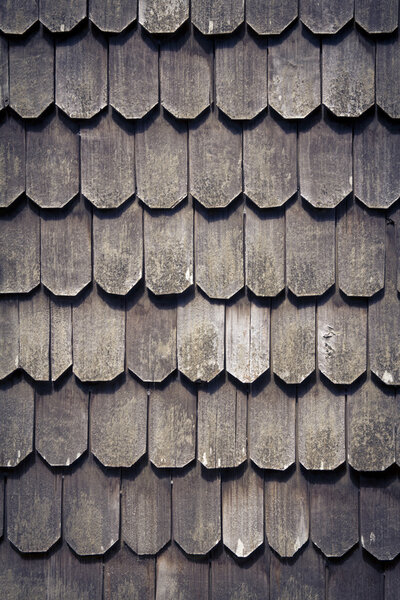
column 388, row 75
column 158, row 16
column 22, row 577
column 127, row 572
column 17, row 16
column 376, row 17
column 12, row 160
column 34, row 335
column 229, row 575
column 272, row 17
column 60, row 337
column 326, row 16
column 112, row 15
column 71, row 577
column 17, row 422
column 4, row 83
column 216, row 16
column 304, row 578
column 9, row 336
column 178, row 574
column 392, row 581
column 62, row 15
column 355, row 577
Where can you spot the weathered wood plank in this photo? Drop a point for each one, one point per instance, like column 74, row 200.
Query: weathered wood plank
column 4, row 79
column 392, row 582
column 196, row 516
column 326, row 16
column 73, row 577
column 22, row 576
column 61, row 423
column 354, row 578
column 98, row 338
column 146, row 510
column 200, row 338
column 34, row 335
column 272, row 17
column 178, row 575
column 293, row 339
column 1, row 506
column 126, row 574
column 16, row 424
column 133, row 57
column 348, row 73
column 221, row 425
column 163, row 17
column 243, row 510
column 9, row 336
column 17, row 16
column 118, row 423
column 112, row 15
column 81, row 74
column 34, row 507
column 302, row 580
column 91, row 508
column 62, row 15
column 388, row 75
column 12, row 160
column 215, row 160
column 241, row 75
column 216, row 17
column 377, row 17
column 60, row 337
column 185, row 75
column 230, row 579
column 118, row 248
column 310, row 249
column 219, row 250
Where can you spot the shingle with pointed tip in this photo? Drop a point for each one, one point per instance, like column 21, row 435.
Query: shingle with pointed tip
column 271, row 428
column 321, row 427
column 272, row 17
column 348, row 73
column 151, row 337
column 133, row 57
column 9, row 336
column 302, row 579
column 34, row 507
column 118, row 248
column 98, row 337
column 334, row 513
column 34, row 335
column 60, row 337
column 16, row 16
column 217, row 16
column 241, row 75
column 146, row 510
column 293, row 339
column 81, row 74
column 17, row 422
column 4, row 83
column 373, row 414
column 215, row 160
column 172, row 425
column 243, row 510
column 388, row 75
column 168, row 249
column 221, row 425
column 22, row 577
column 360, row 249
column 112, row 15
column 326, row 16
column 118, row 423
column 12, row 160
column 219, row 250
column 127, row 573
column 71, row 577
column 91, row 508
column 310, row 249
column 392, row 581
column 286, row 512
column 161, row 161
column 180, row 575
column 377, row 17
column 62, row 15
column 379, row 512
column 196, row 516
column 325, row 161
column 61, row 423
column 354, row 578
column 158, row 16
column 65, row 238
column 294, row 73
column 200, row 338
column 185, row 75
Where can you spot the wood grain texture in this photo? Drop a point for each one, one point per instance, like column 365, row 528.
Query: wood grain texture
column 112, row 15
column 91, row 509
column 241, row 75
column 310, row 249
column 17, row 16
column 178, row 575
column 185, row 75
column 128, row 574
column 301, row 580
column 326, row 16
column 9, row 336
column 219, row 251
column 62, row 15
column 98, row 338
column 1, row 506
column 163, row 17
column 374, row 18
column 34, row 335
column 17, row 422
column 216, row 16
column 118, row 248
column 215, row 160
column 243, row 510
column 12, row 160
column 200, row 338
column 34, row 507
column 294, row 73
column 60, row 337
column 61, row 423
column 172, row 425
column 293, row 339
column 4, row 78
column 348, row 73
column 231, row 579
column 81, row 74
column 356, row 577
column 392, row 581
column 196, row 516
column 146, row 510
column 388, row 75
column 271, row 18
column 22, row 577
column 221, row 425
column 133, row 57
column 72, row 577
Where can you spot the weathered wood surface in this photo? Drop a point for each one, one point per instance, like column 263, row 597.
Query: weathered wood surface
column 62, row 15
column 272, row 17
column 230, row 579
column 16, row 16
column 392, row 581
column 34, row 507
column 185, row 75
column 221, row 425
column 388, row 75
column 172, row 425
column 12, row 159
column 178, row 575
column 112, row 15
column 376, row 17
column 16, row 423
column 163, row 17
column 216, row 17
column 118, row 423
column 118, row 248
column 72, row 577
column 215, row 160
column 355, row 578
column 1, row 506
column 34, row 335
column 9, row 336
column 128, row 574
column 22, row 577
column 60, row 337
column 146, row 510
column 241, row 75
column 326, row 16
column 4, row 79
column 300, row 580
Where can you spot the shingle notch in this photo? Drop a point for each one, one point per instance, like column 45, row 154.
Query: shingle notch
column 270, row 17
column 217, row 16
column 62, row 15
column 326, row 16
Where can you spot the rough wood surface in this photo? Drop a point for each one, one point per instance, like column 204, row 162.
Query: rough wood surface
column 326, row 16
column 146, row 510
column 72, row 577
column 272, row 17
column 62, row 15
column 241, row 75
column 388, row 75
column 196, row 516
column 172, row 425
column 301, row 580
column 9, row 336
column 12, row 159
column 34, row 507
column 185, row 75
column 355, row 578
column 81, row 74
column 118, row 248
column 215, row 159
column 22, row 577
column 221, row 425
column 4, row 79
column 376, row 17
column 230, row 579
column 16, row 16
column 126, row 574
column 34, row 336
column 348, row 73
column 163, row 17
column 60, row 337
column 392, row 581
column 16, row 423
column 180, row 576
column 1, row 507
column 112, row 15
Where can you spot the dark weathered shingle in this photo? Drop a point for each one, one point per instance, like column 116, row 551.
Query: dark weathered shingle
column 126, row 572
column 62, row 15
column 9, row 336
column 303, row 578
column 73, row 577
column 163, row 17
column 272, row 17
column 387, row 75
column 17, row 16
column 17, row 422
column 112, row 15
column 377, row 17
column 354, row 577
column 217, row 16
column 60, row 337
column 12, row 160
column 34, row 335
column 177, row 574
column 326, row 16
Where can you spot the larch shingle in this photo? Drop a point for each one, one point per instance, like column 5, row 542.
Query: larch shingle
column 9, row 336
column 126, row 573
column 17, row 422
column 12, row 160
column 62, row 15
column 272, row 17
column 34, row 335
column 377, row 17
column 228, row 577
column 326, row 16
column 392, row 581
column 388, row 75
column 355, row 578
column 17, row 16
column 71, row 577
column 112, row 15
column 178, row 574
column 22, row 577
column 217, row 16
column 158, row 16
column 300, row 580
column 4, row 87
column 60, row 337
